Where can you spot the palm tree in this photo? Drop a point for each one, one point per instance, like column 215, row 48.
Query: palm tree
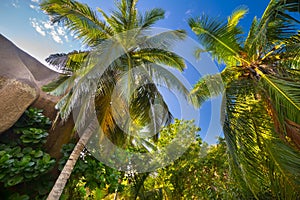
column 125, row 31
column 261, row 95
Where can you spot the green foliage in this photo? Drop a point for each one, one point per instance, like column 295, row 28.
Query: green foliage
column 202, row 172
column 17, row 196
column 22, row 164
column 90, row 178
column 33, row 118
column 261, row 97
column 23, row 159
column 32, row 135
column 123, row 31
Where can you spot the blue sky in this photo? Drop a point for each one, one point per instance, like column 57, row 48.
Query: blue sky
column 28, row 27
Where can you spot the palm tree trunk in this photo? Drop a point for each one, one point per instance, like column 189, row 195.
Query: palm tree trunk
column 293, row 132
column 68, row 168
column 116, row 194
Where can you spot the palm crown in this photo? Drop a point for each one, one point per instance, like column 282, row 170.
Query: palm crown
column 261, row 94
column 125, row 39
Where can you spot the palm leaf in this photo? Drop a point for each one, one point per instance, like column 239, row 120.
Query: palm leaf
column 150, row 17
column 207, row 87
column 214, row 85
column 160, row 56
column 160, row 38
column 240, row 135
column 219, row 39
column 164, row 77
column 251, row 142
column 289, row 55
column 276, row 24
column 236, row 16
column 67, row 62
column 285, row 97
column 62, row 82
column 78, row 18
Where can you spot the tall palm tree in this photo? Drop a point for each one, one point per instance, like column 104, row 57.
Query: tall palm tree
column 117, row 45
column 261, row 95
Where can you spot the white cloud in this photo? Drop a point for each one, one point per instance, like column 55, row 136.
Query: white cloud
column 40, row 29
column 60, row 30
column 35, row 5
column 56, row 37
column 57, row 33
column 66, row 38
column 15, row 3
column 36, row 8
column 188, row 12
column 168, row 13
column 47, row 25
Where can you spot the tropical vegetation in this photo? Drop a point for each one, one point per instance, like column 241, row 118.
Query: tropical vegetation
column 118, row 74
column 23, row 158
column 120, row 50
column 261, row 95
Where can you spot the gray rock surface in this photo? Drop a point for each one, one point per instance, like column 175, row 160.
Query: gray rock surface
column 21, row 77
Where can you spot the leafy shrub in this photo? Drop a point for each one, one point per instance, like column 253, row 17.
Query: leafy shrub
column 90, row 179
column 23, row 159
column 33, row 118
column 17, row 196
column 32, row 135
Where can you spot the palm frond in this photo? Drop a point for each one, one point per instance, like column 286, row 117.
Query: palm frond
column 79, row 18
column 149, row 110
column 252, row 142
column 125, row 17
column 285, row 97
column 275, row 25
column 163, row 77
column 240, row 135
column 58, row 60
column 198, row 52
column 160, row 39
column 211, row 86
column 59, row 86
column 160, row 56
column 207, row 87
column 151, row 17
column 289, row 55
column 108, row 118
column 218, row 38
column 67, row 63
column 236, row 16
column 253, row 54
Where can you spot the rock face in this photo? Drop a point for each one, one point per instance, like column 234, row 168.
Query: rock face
column 15, row 97
column 21, row 79
column 18, row 86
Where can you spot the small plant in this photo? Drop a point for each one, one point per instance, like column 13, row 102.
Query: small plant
column 32, row 135
column 33, row 118
column 17, row 196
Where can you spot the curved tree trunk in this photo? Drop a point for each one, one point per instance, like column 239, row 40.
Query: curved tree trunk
column 293, row 132
column 68, row 168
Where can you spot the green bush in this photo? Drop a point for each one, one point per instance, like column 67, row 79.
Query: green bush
column 33, row 118
column 23, row 159
column 90, row 179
